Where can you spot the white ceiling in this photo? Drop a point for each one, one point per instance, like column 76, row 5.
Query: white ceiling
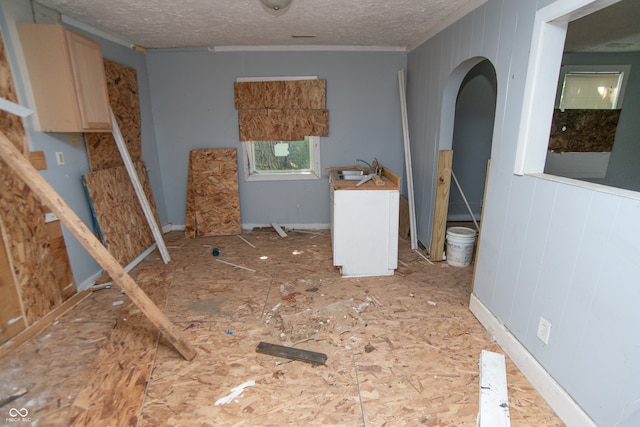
column 362, row 24
column 615, row 28
column 220, row 23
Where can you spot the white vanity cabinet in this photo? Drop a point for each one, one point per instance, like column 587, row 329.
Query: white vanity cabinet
column 364, row 225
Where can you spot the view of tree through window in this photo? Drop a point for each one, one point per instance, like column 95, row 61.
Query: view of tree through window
column 282, row 156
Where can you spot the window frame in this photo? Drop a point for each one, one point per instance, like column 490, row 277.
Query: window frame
column 545, row 58
column 314, row 174
column 624, row 71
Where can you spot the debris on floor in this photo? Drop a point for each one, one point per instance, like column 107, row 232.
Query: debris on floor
column 235, row 392
column 312, row 357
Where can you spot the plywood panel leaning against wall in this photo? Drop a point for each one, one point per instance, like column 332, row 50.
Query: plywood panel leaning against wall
column 23, row 229
column 123, row 226
column 122, row 85
column 213, row 202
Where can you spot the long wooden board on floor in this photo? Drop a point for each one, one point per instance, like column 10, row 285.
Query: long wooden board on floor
column 26, row 172
column 213, row 201
column 443, row 184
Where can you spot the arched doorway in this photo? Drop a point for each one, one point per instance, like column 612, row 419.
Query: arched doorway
column 472, row 135
column 466, row 134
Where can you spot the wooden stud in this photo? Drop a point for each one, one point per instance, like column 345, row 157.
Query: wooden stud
column 445, row 160
column 85, row 237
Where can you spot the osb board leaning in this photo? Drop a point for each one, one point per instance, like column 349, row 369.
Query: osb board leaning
column 213, row 201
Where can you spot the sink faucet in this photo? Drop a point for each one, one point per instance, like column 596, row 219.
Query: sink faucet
column 371, row 168
column 366, row 163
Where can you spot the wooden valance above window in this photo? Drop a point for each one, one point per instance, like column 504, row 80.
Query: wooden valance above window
column 283, row 110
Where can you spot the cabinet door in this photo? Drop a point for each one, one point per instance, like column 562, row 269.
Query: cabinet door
column 89, row 80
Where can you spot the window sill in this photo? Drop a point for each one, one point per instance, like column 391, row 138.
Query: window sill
column 283, row 177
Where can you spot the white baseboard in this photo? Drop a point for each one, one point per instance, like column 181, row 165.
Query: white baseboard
column 248, row 227
column 317, row 226
column 559, row 400
column 172, row 227
column 89, row 281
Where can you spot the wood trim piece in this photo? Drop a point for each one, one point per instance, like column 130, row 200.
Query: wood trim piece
column 413, row 232
column 85, row 237
column 137, row 186
column 42, row 323
column 441, row 207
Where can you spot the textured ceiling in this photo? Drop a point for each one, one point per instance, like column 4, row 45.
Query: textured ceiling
column 398, row 24
column 216, row 23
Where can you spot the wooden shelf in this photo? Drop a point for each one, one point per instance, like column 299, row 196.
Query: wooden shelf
column 67, row 78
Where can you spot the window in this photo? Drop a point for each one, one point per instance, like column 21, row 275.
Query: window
column 591, row 87
column 282, row 160
column 584, row 124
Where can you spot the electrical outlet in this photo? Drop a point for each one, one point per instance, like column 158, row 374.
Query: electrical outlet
column 59, row 158
column 544, row 330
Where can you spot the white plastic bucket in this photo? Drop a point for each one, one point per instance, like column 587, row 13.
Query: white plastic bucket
column 459, row 246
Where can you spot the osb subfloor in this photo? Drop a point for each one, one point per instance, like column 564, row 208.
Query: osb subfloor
column 402, row 350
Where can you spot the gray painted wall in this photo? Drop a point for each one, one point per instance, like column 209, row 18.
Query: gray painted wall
column 193, row 107
column 558, row 250
column 65, row 179
column 623, row 170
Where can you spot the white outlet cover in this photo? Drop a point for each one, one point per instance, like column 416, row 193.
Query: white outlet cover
column 544, row 330
column 59, row 158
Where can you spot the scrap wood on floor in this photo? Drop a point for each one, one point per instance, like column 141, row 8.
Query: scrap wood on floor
column 401, row 350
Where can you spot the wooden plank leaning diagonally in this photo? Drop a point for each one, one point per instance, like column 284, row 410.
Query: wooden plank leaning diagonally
column 48, row 195
column 441, row 207
column 137, row 186
column 413, row 233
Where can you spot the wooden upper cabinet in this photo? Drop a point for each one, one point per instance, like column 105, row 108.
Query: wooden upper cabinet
column 67, row 78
